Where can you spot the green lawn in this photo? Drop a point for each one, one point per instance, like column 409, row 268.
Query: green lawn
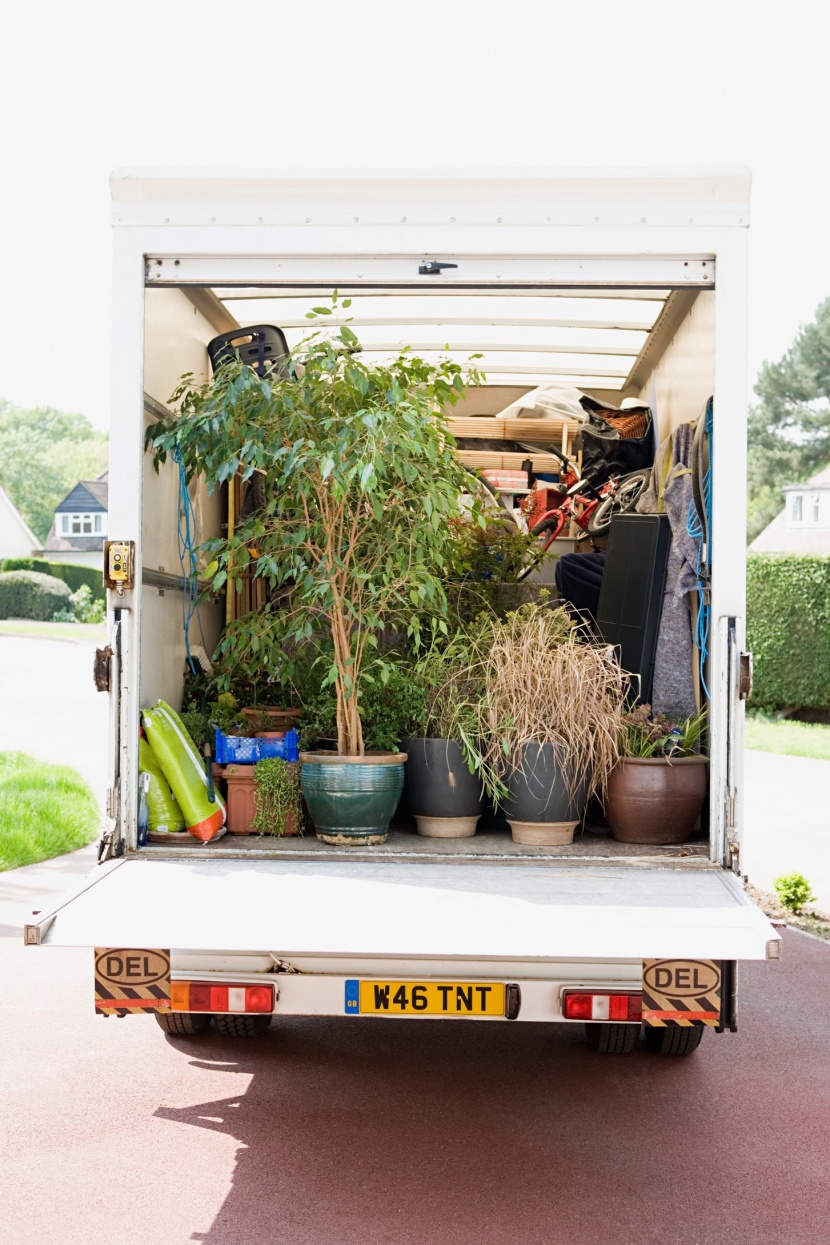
column 94, row 632
column 796, row 739
column 45, row 810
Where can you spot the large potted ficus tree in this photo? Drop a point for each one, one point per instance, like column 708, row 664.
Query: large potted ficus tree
column 361, row 478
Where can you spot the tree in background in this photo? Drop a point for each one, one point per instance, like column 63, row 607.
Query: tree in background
column 789, row 431
column 43, row 454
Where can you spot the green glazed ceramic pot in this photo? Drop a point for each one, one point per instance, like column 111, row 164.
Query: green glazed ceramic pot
column 352, row 799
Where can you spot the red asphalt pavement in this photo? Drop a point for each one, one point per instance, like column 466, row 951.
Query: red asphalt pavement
column 387, row 1131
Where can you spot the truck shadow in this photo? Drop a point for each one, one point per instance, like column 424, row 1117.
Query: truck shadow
column 395, row 1131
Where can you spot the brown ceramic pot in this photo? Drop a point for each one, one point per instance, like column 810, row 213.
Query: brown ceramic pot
column 655, row 800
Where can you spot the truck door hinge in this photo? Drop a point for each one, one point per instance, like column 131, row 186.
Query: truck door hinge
column 101, row 669
column 731, row 801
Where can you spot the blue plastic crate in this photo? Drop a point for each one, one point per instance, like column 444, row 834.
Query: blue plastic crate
column 244, row 750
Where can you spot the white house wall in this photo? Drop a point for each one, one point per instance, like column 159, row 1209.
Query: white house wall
column 17, row 540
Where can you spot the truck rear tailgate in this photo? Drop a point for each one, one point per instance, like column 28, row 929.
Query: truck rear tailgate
column 412, row 910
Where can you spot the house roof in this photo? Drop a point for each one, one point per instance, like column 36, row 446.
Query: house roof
column 72, row 544
column 87, row 495
column 819, row 481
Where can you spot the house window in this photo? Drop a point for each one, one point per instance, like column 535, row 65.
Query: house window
column 797, row 510
column 81, row 524
column 97, row 523
column 814, row 508
column 64, row 523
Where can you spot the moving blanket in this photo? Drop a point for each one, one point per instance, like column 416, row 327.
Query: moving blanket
column 672, row 490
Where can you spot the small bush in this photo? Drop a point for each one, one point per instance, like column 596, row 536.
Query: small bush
column 82, row 608
column 788, row 630
column 74, row 576
column 28, row 594
column 793, row 890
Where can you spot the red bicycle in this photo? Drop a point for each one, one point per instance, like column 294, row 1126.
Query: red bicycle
column 577, row 500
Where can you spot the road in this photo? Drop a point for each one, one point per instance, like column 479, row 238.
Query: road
column 51, row 709
column 387, row 1132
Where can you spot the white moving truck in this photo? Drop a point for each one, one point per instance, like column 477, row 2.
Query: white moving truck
column 625, row 284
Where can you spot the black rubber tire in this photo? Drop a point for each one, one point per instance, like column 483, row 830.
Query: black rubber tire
column 546, row 525
column 229, row 1025
column 182, row 1024
column 631, row 489
column 612, row 1039
column 674, row 1041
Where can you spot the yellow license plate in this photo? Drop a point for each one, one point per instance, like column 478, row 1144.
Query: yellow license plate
column 425, row 998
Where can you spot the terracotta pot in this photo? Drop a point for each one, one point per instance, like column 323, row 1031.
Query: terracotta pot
column 655, row 800
column 241, row 798
column 241, row 801
column 280, row 719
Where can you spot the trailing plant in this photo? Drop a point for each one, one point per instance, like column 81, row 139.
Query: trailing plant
column 645, row 735
column 794, row 891
column 277, row 796
column 361, row 480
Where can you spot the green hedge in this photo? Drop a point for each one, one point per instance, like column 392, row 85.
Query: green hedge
column 788, row 630
column 28, row 594
column 74, row 576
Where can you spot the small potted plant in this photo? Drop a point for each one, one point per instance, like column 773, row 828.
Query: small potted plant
column 278, row 804
column 553, row 707
column 443, row 790
column 655, row 792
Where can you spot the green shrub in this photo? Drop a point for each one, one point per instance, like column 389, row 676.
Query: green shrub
column 82, row 608
column 74, row 576
column 788, row 630
column 28, row 594
column 793, row 890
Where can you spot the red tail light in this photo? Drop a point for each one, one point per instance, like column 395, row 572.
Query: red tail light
column 601, row 1005
column 199, row 996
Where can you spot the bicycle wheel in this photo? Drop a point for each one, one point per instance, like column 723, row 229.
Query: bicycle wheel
column 629, row 491
column 549, row 528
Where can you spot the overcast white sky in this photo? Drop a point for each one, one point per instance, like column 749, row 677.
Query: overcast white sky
column 94, row 85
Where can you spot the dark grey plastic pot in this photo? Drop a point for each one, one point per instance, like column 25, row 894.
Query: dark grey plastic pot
column 443, row 796
column 538, row 807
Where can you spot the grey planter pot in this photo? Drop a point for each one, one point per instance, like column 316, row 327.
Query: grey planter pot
column 443, row 796
column 538, row 807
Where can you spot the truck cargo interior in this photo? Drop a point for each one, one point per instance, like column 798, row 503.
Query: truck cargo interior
column 647, row 350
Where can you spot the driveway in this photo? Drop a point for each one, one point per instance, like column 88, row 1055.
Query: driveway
column 388, row 1132
column 51, row 709
column 787, row 820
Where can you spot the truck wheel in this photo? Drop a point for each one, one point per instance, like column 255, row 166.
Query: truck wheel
column 241, row 1026
column 674, row 1041
column 611, row 1039
column 182, row 1024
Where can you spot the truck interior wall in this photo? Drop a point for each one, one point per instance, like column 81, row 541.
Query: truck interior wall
column 175, row 337
column 684, row 377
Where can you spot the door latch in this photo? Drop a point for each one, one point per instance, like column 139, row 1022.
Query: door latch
column 433, row 267
column 101, row 669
